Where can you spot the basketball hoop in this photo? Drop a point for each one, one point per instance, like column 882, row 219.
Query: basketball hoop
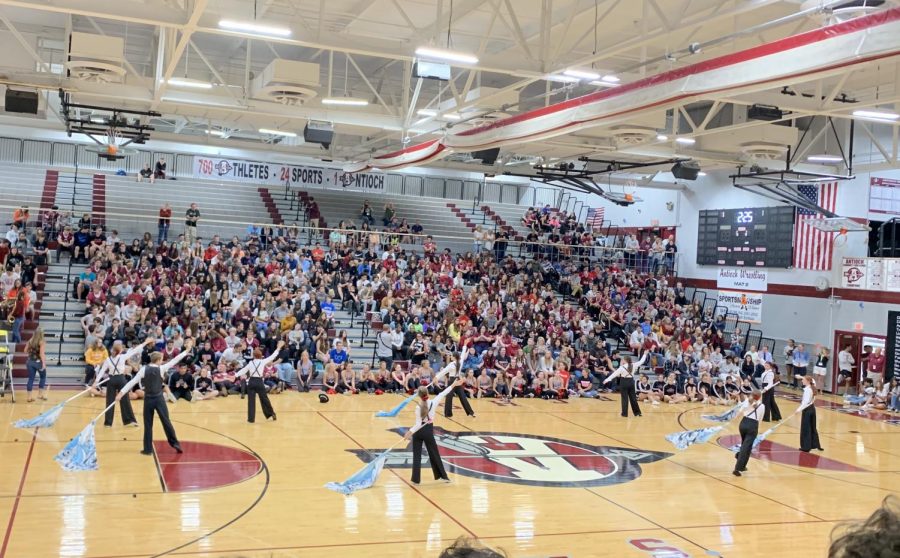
column 113, row 149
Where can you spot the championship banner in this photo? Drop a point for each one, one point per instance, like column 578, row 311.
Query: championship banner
column 275, row 174
column 742, row 279
column 875, row 274
column 892, row 275
column 747, row 306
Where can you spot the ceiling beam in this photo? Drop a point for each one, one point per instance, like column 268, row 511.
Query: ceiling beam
column 186, row 31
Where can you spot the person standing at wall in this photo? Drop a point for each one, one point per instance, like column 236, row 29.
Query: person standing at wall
column 875, row 365
column 800, row 362
column 36, row 364
column 165, row 218
column 191, row 218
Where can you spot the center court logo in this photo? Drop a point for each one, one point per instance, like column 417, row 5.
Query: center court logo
column 526, row 459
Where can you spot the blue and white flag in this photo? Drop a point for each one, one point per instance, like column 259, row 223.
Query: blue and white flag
column 362, row 479
column 396, row 410
column 80, row 454
column 683, row 440
column 43, row 420
column 727, row 415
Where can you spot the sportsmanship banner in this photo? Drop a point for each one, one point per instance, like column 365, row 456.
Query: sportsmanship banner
column 274, row 174
column 747, row 306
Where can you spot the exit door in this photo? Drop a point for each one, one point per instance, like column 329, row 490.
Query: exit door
column 857, row 342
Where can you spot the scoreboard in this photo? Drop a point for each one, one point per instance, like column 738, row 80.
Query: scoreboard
column 746, row 237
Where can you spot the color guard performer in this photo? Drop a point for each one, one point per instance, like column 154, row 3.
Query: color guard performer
column 768, row 395
column 809, row 434
column 423, row 431
column 154, row 400
column 626, row 371
column 114, row 366
column 749, row 429
column 255, row 385
column 453, row 369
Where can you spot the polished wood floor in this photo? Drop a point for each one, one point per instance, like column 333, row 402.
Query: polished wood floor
column 260, row 494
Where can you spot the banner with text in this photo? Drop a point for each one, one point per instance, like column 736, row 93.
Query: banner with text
column 275, row 174
column 853, row 273
column 740, row 279
column 746, row 306
column 873, row 274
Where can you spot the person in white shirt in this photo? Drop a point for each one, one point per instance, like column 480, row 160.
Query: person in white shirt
column 626, row 371
column 114, row 367
column 422, row 433
column 154, row 402
column 749, row 428
column 768, row 395
column 809, row 435
column 255, row 385
column 846, row 364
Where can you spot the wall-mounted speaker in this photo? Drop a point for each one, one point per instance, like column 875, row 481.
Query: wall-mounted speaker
column 25, row 102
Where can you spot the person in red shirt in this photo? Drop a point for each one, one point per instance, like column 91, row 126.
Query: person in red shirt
column 875, row 365
column 317, row 253
column 165, row 217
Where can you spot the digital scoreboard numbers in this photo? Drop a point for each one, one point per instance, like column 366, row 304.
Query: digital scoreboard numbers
column 746, row 237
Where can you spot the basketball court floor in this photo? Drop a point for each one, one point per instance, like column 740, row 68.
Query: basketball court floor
column 537, row 479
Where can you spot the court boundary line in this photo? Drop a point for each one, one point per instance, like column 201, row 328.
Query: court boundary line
column 15, row 508
column 409, row 484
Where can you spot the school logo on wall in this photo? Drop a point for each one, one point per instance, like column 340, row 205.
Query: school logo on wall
column 525, row 459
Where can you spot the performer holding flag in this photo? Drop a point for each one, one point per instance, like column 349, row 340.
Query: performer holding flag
column 453, row 368
column 626, row 371
column 255, row 385
column 154, row 402
column 114, row 366
column 423, row 431
column 768, row 396
column 749, row 428
column 809, row 434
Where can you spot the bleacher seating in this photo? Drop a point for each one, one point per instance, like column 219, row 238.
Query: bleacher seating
column 436, row 219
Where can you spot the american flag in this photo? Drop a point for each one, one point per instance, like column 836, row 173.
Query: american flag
column 595, row 217
column 812, row 247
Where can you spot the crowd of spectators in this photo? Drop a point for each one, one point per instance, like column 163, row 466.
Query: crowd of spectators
column 557, row 235
column 533, row 327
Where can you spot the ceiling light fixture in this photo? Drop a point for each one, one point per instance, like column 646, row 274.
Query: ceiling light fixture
column 218, row 133
column 428, row 113
column 254, row 28
column 450, row 55
column 662, row 137
column 876, row 114
column 610, row 79
column 271, row 132
column 825, row 158
column 561, row 78
column 686, row 141
column 581, row 74
column 600, row 83
column 345, row 101
column 191, row 83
